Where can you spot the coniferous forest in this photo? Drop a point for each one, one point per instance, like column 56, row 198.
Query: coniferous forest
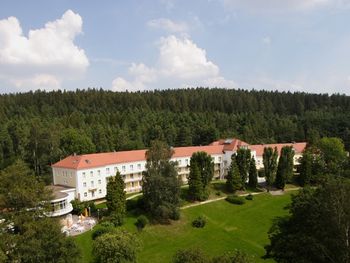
column 42, row 127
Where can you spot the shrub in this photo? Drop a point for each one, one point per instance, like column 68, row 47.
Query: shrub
column 218, row 193
column 199, row 222
column 101, row 230
column 176, row 214
column 233, row 256
column 141, row 222
column 233, row 199
column 249, row 197
column 79, row 207
column 190, row 255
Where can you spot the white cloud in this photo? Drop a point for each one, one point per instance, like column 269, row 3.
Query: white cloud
column 46, row 56
column 180, row 63
column 168, row 25
column 283, row 5
column 266, row 40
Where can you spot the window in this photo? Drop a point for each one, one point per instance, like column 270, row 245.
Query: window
column 131, row 176
column 220, row 159
column 85, row 194
column 132, row 184
column 99, row 181
column 115, row 170
column 98, row 172
column 92, row 194
column 84, row 175
column 131, row 167
column 100, row 191
column 84, row 184
column 139, row 166
column 107, row 170
column 123, row 168
column 179, row 161
column 92, row 183
column 91, row 173
column 186, row 161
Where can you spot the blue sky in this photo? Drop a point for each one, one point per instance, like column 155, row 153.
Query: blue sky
column 296, row 45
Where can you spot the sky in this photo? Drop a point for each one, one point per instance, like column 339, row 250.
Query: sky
column 284, row 45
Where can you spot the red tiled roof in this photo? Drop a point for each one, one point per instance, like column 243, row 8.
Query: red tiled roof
column 230, row 144
column 259, row 148
column 188, row 151
column 101, row 159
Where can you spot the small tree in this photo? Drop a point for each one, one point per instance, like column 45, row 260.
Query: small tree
column 270, row 164
column 115, row 198
column 116, row 247
column 243, row 157
column 253, row 174
column 233, row 182
column 285, row 167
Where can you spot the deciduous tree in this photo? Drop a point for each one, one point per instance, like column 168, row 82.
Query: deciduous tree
column 160, row 183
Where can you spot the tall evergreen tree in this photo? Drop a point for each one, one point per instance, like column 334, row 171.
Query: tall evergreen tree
column 115, row 197
column 285, row 167
column 195, row 189
column 204, row 163
column 253, row 174
column 270, row 164
column 305, row 170
column 160, row 183
column 234, row 180
column 243, row 157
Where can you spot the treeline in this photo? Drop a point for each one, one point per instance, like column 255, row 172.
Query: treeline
column 42, row 127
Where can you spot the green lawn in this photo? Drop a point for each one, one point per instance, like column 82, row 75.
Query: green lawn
column 228, row 227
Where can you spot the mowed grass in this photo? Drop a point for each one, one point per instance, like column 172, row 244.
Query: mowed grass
column 228, row 227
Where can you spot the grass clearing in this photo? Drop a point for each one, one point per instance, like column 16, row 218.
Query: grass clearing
column 228, row 227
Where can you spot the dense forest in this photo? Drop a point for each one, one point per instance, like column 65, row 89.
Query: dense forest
column 42, row 127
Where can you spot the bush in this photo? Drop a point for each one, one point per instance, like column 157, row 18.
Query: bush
column 190, row 255
column 249, row 197
column 176, row 214
column 79, row 207
column 141, row 222
column 233, row 256
column 218, row 193
column 101, row 230
column 199, row 222
column 233, row 199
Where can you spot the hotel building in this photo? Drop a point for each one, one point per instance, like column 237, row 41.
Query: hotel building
column 87, row 175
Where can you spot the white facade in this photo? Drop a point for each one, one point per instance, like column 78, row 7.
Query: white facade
column 91, row 183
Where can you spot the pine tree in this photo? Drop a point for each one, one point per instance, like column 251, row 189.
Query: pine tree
column 270, row 164
column 306, row 163
column 253, row 174
column 204, row 163
column 115, row 197
column 243, row 158
column 195, row 188
column 285, row 167
column 234, row 180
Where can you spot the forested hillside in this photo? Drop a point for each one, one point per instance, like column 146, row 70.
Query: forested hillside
column 42, row 127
